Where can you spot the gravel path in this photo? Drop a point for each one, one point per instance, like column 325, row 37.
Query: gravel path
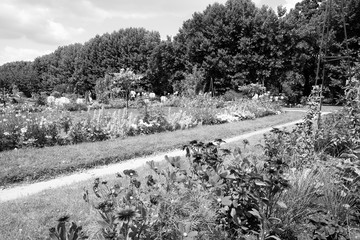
column 29, row 189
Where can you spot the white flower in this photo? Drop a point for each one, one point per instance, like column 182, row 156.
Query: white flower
column 23, row 130
column 6, row 133
column 227, row 118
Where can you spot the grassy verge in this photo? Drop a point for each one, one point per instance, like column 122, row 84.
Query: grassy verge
column 27, row 165
column 30, row 218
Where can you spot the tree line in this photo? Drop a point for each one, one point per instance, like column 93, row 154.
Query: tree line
column 221, row 49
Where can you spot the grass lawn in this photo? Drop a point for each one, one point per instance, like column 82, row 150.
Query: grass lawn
column 31, row 217
column 27, row 165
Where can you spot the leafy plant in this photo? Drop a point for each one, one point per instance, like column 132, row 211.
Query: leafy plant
column 248, row 195
column 123, row 213
column 62, row 232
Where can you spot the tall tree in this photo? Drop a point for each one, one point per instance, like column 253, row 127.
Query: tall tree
column 20, row 74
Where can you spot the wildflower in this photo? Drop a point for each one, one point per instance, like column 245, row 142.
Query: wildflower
column 105, row 206
column 128, row 214
column 6, row 133
column 150, row 181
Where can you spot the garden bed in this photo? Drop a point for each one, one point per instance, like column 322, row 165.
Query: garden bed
column 21, row 128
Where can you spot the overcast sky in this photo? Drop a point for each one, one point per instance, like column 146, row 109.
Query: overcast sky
column 31, row 28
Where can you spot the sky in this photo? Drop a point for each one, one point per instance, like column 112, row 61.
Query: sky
column 32, row 28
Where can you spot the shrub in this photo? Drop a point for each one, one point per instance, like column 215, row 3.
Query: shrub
column 40, row 100
column 75, row 106
column 71, row 96
column 173, row 101
column 251, row 89
column 232, row 95
column 119, row 103
column 56, row 94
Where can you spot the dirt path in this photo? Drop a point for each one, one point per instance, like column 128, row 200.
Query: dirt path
column 29, row 189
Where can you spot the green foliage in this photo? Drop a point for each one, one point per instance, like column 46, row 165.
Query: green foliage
column 232, row 95
column 73, row 106
column 40, row 99
column 293, row 87
column 323, row 199
column 61, row 232
column 163, row 65
column 103, row 90
column 247, row 193
column 153, row 209
column 55, row 94
column 192, row 84
column 251, row 89
column 117, row 84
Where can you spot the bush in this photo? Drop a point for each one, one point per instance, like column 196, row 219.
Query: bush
column 232, row 95
column 75, row 106
column 251, row 89
column 71, row 96
column 56, row 94
column 40, row 100
column 119, row 103
column 173, row 101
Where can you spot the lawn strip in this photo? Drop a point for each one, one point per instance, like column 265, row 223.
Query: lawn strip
column 28, row 165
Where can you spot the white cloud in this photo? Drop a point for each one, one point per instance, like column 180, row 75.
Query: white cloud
column 125, row 15
column 290, row 4
column 10, row 54
column 55, row 30
column 88, row 9
column 274, row 3
column 35, row 22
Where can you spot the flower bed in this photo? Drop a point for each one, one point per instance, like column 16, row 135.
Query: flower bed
column 53, row 127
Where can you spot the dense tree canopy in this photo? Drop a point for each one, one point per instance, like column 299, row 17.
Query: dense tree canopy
column 230, row 44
